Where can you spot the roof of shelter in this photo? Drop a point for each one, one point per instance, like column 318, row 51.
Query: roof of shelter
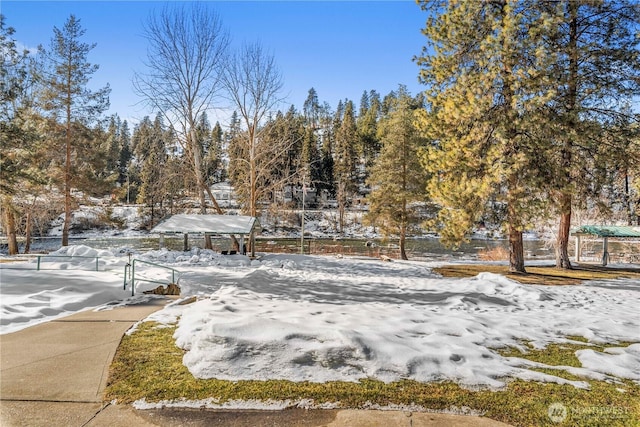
column 608, row 231
column 214, row 224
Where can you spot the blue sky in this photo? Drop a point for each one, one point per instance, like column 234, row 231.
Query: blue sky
column 340, row 48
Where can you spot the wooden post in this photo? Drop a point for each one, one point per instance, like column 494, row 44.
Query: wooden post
column 161, row 240
column 605, row 251
column 578, row 248
column 252, row 238
column 186, row 242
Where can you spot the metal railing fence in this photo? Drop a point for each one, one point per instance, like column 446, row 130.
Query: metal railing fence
column 130, row 272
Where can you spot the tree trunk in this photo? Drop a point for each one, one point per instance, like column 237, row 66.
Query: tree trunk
column 627, row 199
column 404, row 220
column 197, row 168
column 516, row 246
column 516, row 251
column 341, row 206
column 27, row 234
column 562, row 243
column 29, row 226
column 253, row 211
column 67, row 191
column 216, row 206
column 512, row 149
column 403, row 252
column 67, row 164
column 10, row 225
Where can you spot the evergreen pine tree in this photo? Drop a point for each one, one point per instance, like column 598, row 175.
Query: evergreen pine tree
column 150, row 140
column 20, row 142
column 597, row 69
column 216, row 170
column 204, row 142
column 111, row 147
column 326, row 136
column 311, row 109
column 344, row 157
column 367, row 123
column 68, row 102
column 485, row 92
column 291, row 127
column 125, row 155
column 310, row 158
column 397, row 180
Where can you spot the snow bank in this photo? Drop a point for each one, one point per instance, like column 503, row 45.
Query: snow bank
column 321, row 319
column 312, row 318
column 619, row 362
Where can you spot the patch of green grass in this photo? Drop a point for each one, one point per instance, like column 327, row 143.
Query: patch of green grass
column 149, row 365
column 557, row 354
column 541, row 275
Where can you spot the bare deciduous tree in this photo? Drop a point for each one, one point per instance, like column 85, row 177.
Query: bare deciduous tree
column 253, row 82
column 186, row 53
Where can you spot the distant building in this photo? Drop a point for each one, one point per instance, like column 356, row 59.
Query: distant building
column 225, row 194
column 312, row 196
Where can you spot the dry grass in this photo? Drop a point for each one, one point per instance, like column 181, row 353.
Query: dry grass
column 498, row 253
column 149, row 365
column 542, row 275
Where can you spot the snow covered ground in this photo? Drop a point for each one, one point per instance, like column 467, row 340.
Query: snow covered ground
column 312, row 318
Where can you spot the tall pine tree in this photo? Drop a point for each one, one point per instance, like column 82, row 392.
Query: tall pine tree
column 397, row 180
column 68, row 102
column 597, row 70
column 20, row 141
column 124, row 158
column 367, row 130
column 150, row 142
column 484, row 96
column 344, row 159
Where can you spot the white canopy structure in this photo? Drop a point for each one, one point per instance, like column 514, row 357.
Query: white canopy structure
column 208, row 225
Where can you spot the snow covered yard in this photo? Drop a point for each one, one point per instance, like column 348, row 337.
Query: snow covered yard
column 313, row 320
column 318, row 319
column 322, row 319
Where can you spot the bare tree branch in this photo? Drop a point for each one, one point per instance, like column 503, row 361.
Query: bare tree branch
column 253, row 82
column 186, row 53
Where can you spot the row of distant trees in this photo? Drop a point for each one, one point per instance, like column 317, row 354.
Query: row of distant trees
column 330, row 151
column 528, row 113
column 56, row 141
